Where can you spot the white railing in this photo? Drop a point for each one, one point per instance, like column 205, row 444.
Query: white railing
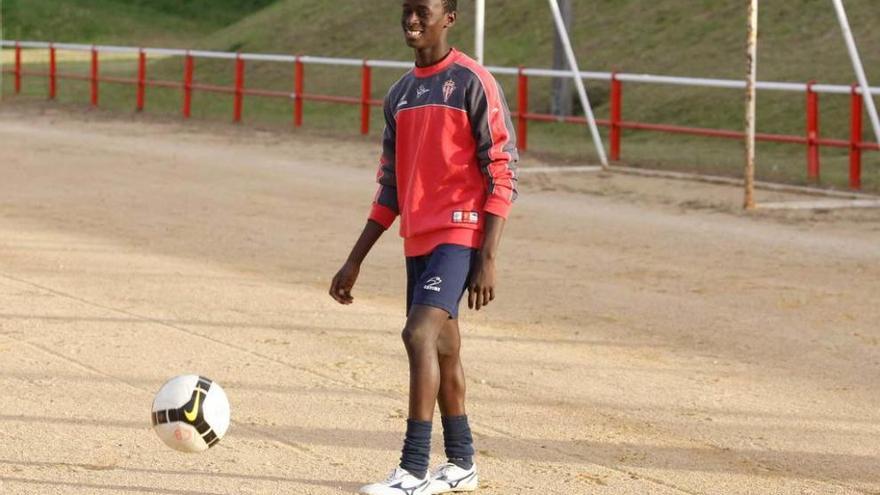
column 394, row 64
column 188, row 85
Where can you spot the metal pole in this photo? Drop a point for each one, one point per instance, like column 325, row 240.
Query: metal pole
column 95, row 76
column 237, row 100
column 188, row 68
column 17, row 67
column 751, row 75
column 562, row 88
column 616, row 115
column 366, row 93
column 857, row 66
column 812, row 133
column 855, row 140
column 522, row 110
column 480, row 30
column 53, row 73
column 579, row 83
column 298, row 85
column 142, row 79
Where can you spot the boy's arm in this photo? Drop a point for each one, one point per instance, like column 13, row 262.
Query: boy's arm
column 496, row 151
column 385, row 206
column 385, row 209
column 340, row 288
column 481, row 286
column 495, row 142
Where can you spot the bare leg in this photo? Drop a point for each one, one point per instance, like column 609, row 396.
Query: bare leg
column 452, row 382
column 420, row 336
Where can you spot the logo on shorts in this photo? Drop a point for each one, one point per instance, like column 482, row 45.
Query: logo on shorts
column 433, row 284
column 448, row 88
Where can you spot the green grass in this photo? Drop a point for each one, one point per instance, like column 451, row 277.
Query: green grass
column 800, row 41
column 134, row 22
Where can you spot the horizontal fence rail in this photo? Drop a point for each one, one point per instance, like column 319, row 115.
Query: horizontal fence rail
column 811, row 138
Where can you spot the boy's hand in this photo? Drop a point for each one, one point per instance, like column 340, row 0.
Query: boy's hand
column 340, row 288
column 481, row 287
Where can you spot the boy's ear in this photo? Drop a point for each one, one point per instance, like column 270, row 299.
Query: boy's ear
column 450, row 19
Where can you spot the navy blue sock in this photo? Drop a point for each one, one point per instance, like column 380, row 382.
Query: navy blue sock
column 458, row 441
column 416, row 452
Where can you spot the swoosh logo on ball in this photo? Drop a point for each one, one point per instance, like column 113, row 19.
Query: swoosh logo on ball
column 194, row 412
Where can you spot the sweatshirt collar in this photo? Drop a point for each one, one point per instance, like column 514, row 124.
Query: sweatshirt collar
column 440, row 66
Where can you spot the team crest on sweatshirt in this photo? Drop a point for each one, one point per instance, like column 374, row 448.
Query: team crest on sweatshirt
column 448, row 88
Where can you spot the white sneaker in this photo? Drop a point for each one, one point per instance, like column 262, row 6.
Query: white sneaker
column 399, row 482
column 451, row 478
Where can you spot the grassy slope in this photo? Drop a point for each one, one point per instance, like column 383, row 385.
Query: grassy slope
column 134, row 22
column 800, row 40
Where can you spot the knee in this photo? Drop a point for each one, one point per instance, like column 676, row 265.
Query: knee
column 418, row 337
column 448, row 349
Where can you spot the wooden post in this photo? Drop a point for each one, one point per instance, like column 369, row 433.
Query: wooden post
column 751, row 71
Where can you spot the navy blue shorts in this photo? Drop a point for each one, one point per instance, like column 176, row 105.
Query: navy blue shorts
column 439, row 278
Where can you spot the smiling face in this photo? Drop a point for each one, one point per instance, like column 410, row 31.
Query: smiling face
column 425, row 23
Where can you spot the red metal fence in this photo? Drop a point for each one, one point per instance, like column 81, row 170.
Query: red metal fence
column 811, row 139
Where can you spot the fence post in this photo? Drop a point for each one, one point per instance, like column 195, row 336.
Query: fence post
column 366, row 92
column 188, row 67
column 94, row 78
column 522, row 90
column 298, row 83
column 53, row 73
column 616, row 113
column 812, row 132
column 239, row 88
column 142, row 79
column 17, row 67
column 855, row 139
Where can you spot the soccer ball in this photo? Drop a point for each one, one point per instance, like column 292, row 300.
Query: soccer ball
column 190, row 413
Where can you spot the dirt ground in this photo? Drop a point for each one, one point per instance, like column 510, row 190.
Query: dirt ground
column 648, row 336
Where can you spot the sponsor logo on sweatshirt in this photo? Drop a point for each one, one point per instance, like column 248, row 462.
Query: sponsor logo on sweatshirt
column 471, row 217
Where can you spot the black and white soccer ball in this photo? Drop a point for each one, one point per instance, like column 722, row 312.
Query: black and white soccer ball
column 190, row 413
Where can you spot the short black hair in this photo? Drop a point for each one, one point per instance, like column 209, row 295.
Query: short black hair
column 450, row 6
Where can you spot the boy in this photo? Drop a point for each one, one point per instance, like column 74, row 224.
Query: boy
column 447, row 169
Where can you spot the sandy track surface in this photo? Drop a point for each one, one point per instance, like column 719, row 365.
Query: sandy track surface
column 648, row 338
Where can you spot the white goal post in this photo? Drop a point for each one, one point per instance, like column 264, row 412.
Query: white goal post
column 751, row 81
column 857, row 66
column 751, row 71
column 480, row 29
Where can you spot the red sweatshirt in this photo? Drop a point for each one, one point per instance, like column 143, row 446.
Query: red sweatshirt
column 449, row 155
